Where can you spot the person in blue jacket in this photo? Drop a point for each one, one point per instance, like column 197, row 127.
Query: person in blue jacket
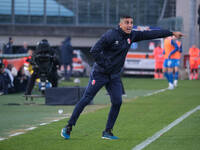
column 109, row 54
column 67, row 57
column 8, row 48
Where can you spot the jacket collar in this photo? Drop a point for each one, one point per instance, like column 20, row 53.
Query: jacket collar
column 122, row 32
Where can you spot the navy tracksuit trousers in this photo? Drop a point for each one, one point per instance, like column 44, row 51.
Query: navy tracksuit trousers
column 97, row 81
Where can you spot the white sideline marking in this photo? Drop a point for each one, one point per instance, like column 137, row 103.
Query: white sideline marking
column 156, row 92
column 1, row 139
column 54, row 120
column 15, row 134
column 42, row 124
column 31, row 128
column 167, row 128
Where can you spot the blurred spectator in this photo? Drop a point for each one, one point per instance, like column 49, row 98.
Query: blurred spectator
column 21, row 80
column 194, row 56
column 8, row 48
column 1, row 48
column 24, row 48
column 9, row 70
column 66, row 57
column 4, row 79
column 159, row 59
column 27, row 66
column 12, row 69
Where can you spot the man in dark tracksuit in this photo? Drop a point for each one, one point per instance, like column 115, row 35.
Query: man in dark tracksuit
column 109, row 54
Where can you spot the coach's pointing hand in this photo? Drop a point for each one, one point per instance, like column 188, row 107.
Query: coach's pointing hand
column 178, row 34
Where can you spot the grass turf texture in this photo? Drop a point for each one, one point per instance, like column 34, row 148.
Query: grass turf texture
column 17, row 114
column 138, row 120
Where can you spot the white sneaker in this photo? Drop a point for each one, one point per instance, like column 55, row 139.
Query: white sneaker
column 171, row 86
column 175, row 83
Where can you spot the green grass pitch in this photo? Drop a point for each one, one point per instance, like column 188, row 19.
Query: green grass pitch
column 140, row 117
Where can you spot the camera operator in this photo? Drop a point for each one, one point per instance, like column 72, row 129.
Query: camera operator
column 44, row 62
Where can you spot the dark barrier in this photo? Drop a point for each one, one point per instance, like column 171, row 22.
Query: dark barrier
column 63, row 95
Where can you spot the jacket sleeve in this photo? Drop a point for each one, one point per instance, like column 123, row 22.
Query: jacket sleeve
column 97, row 50
column 148, row 35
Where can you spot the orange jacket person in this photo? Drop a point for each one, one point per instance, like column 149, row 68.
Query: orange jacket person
column 194, row 56
column 175, row 56
column 170, row 46
column 158, row 56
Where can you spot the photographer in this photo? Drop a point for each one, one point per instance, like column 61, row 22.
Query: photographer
column 44, row 63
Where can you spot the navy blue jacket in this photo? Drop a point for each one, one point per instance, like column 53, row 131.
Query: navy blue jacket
column 66, row 51
column 8, row 49
column 110, row 51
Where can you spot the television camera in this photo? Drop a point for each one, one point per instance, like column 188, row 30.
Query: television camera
column 43, row 63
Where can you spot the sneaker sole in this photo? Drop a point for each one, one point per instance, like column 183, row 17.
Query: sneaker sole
column 106, row 138
column 61, row 133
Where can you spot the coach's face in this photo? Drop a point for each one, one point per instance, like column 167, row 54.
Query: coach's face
column 126, row 24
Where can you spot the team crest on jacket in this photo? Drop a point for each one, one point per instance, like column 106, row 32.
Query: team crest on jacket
column 93, row 82
column 129, row 41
